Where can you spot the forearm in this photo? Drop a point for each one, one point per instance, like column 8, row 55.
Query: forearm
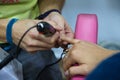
column 45, row 5
column 3, row 24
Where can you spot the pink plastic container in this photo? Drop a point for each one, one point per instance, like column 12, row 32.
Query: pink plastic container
column 86, row 29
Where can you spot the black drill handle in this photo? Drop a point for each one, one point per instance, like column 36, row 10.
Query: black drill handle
column 46, row 29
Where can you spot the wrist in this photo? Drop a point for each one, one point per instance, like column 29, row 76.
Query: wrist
column 9, row 30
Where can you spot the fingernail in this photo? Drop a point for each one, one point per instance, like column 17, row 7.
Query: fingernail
column 66, row 73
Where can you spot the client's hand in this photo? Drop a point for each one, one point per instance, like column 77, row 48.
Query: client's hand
column 87, row 55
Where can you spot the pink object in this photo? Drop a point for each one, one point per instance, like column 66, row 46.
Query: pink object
column 86, row 29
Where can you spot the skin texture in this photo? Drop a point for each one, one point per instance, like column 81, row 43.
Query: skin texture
column 66, row 29
column 87, row 55
column 33, row 41
column 56, row 17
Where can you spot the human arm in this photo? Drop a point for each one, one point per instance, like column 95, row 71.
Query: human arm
column 87, row 55
column 2, row 29
column 45, row 5
column 108, row 69
column 33, row 41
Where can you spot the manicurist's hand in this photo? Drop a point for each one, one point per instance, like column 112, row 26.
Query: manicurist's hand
column 33, row 40
column 66, row 29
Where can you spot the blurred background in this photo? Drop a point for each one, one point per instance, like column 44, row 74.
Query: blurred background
column 108, row 13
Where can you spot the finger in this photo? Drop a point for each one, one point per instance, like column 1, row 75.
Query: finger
column 41, row 44
column 77, row 70
column 67, row 62
column 49, row 40
column 55, row 25
column 68, row 33
column 54, row 38
column 36, row 44
column 32, row 50
column 61, row 33
column 68, row 30
column 70, row 40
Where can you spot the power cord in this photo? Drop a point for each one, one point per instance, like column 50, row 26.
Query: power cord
column 49, row 65
column 44, row 28
column 11, row 56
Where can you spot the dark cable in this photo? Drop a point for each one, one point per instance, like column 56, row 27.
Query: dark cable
column 14, row 55
column 49, row 65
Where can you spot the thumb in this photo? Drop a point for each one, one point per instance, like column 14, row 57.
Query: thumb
column 77, row 70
